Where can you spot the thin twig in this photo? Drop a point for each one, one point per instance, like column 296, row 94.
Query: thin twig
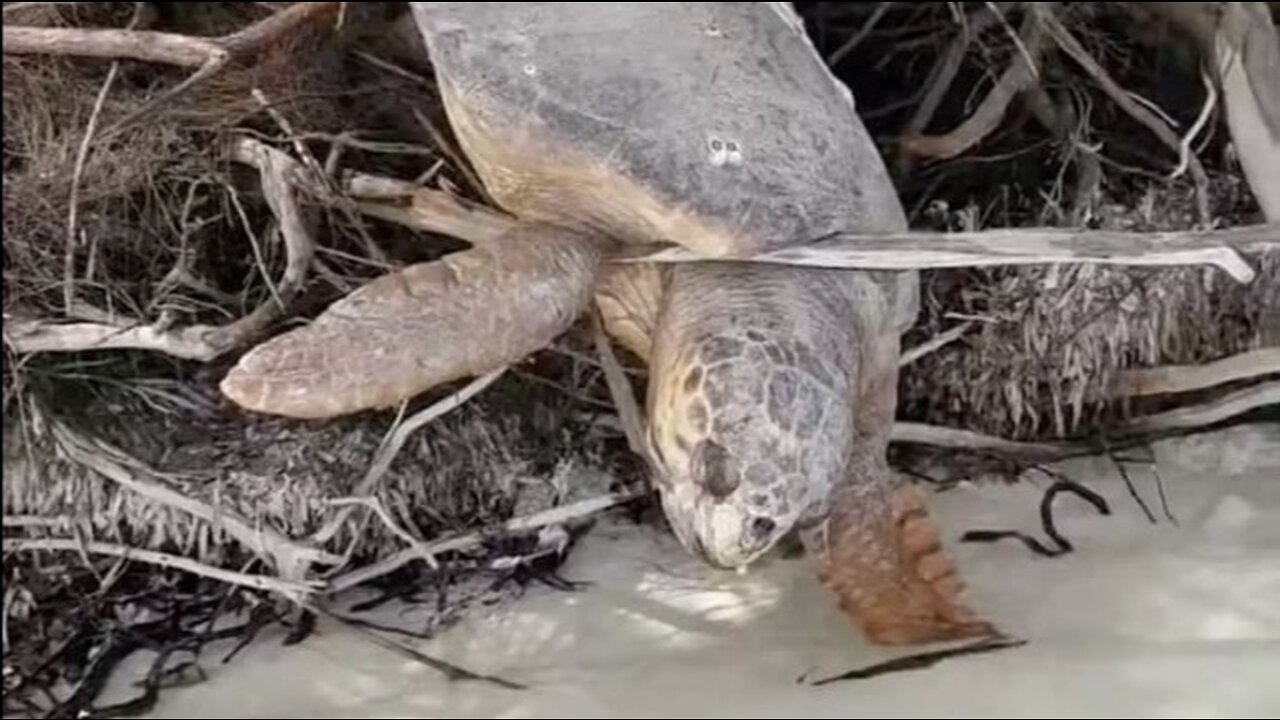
column 1030, row 57
column 1133, row 490
column 620, row 388
column 73, row 210
column 389, row 451
column 395, row 441
column 292, row 590
column 371, row 246
column 446, row 147
column 375, row 505
column 553, row 516
column 1184, row 147
column 861, row 35
column 934, row 344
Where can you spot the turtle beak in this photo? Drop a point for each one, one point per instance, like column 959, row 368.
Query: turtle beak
column 700, row 525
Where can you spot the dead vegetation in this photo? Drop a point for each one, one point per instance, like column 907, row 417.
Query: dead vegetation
column 145, row 248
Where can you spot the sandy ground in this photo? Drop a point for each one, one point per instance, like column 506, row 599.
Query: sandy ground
column 1142, row 620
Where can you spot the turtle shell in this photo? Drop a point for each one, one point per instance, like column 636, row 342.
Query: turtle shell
column 715, row 126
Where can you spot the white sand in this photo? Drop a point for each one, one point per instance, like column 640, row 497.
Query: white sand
column 1152, row 621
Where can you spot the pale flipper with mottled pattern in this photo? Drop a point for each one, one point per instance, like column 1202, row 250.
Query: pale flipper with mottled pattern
column 431, row 323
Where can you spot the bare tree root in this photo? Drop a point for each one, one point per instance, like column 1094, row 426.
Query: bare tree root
column 1072, row 47
column 1021, row 76
column 209, row 55
column 944, row 74
column 199, row 342
column 1240, row 44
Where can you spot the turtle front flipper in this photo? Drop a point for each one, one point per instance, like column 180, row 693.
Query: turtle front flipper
column 427, row 324
column 878, row 550
column 882, row 559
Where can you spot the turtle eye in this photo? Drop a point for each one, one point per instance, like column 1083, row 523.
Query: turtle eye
column 713, row 469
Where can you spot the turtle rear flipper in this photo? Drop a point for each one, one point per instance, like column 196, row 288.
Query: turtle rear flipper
column 430, row 323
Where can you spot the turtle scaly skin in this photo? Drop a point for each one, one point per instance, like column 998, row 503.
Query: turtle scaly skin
column 772, row 389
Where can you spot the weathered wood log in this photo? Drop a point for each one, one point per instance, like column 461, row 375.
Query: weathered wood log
column 1172, row 379
column 1020, row 246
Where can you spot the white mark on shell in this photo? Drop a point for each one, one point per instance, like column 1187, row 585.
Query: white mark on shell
column 724, row 152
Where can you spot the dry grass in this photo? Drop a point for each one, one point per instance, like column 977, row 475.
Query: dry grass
column 1048, row 342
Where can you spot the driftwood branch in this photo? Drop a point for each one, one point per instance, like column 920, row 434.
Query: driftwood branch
column 1021, row 75
column 633, row 422
column 208, row 56
column 162, row 47
column 1241, row 45
column 26, row 336
column 939, row 436
column 554, row 516
column 294, row 590
column 197, row 342
column 1020, row 246
column 1209, row 413
column 144, row 45
column 1172, row 379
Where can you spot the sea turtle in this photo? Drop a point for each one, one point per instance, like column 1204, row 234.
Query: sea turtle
column 772, row 389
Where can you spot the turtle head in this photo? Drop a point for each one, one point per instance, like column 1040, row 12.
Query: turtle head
column 744, row 449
